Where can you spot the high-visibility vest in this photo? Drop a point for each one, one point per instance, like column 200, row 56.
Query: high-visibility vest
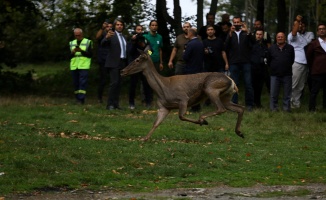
column 79, row 61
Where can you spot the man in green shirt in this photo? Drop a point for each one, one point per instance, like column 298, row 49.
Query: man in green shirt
column 156, row 42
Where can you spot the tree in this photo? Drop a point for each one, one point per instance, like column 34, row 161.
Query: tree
column 260, row 10
column 281, row 16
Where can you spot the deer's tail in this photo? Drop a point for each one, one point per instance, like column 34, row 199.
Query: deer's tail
column 233, row 87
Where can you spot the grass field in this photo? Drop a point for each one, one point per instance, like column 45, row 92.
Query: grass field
column 48, row 142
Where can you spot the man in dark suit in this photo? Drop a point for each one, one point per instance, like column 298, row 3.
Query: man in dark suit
column 115, row 61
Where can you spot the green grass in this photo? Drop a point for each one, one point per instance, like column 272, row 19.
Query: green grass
column 50, row 143
column 47, row 142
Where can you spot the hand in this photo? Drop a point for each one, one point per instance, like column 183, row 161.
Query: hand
column 244, row 27
column 298, row 18
column 134, row 37
column 109, row 34
column 206, row 51
column 77, row 49
column 226, row 67
column 161, row 66
column 170, row 64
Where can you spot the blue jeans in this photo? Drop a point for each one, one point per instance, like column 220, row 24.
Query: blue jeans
column 276, row 83
column 245, row 68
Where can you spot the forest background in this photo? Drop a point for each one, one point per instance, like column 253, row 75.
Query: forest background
column 38, row 31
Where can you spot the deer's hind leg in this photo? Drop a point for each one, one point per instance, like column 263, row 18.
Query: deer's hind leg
column 235, row 108
column 182, row 112
column 215, row 99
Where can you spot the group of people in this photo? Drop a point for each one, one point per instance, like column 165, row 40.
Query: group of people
column 223, row 47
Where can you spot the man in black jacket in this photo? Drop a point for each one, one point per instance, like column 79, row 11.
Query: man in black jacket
column 238, row 45
column 258, row 66
column 281, row 58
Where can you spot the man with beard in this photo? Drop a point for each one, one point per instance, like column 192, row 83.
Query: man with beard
column 215, row 57
column 156, row 42
column 178, row 49
column 316, row 57
column 210, row 19
column 238, row 44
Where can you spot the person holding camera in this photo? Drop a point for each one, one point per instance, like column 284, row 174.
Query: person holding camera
column 238, row 45
column 115, row 61
column 299, row 38
column 81, row 52
column 102, row 52
column 138, row 41
column 215, row 59
column 258, row 60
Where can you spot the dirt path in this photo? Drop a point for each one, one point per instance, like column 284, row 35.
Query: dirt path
column 315, row 191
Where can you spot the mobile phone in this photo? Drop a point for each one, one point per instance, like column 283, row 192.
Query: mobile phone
column 77, row 46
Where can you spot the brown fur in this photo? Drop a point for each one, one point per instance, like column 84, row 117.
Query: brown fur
column 182, row 91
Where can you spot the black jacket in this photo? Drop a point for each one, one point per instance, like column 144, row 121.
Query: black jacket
column 281, row 60
column 239, row 50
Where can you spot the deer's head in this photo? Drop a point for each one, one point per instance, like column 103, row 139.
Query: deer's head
column 138, row 65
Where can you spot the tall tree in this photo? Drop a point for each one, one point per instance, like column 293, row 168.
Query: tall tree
column 162, row 18
column 260, row 10
column 200, row 8
column 213, row 7
column 281, row 16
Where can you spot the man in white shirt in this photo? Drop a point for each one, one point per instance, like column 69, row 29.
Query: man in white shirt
column 299, row 38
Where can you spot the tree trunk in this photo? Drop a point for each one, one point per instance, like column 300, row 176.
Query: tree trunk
column 213, row 8
column 281, row 16
column 200, row 8
column 260, row 11
column 177, row 12
column 163, row 17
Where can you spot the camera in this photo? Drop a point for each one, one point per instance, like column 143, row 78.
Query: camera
column 112, row 29
column 77, row 47
column 237, row 27
column 210, row 50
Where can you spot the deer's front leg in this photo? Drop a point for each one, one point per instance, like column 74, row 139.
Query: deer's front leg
column 161, row 115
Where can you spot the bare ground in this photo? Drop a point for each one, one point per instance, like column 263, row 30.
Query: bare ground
column 313, row 191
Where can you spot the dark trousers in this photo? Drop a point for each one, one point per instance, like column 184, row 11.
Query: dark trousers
column 257, row 79
column 245, row 68
column 317, row 82
column 148, row 93
column 276, row 83
column 115, row 84
column 80, row 77
column 102, row 75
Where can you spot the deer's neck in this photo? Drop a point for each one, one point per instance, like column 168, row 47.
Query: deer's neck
column 157, row 82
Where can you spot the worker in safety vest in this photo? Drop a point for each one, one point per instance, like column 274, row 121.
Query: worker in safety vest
column 81, row 53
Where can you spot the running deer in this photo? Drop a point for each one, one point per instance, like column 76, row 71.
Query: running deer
column 182, row 91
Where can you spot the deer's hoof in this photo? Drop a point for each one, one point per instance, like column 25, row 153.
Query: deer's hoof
column 240, row 134
column 203, row 122
column 144, row 139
